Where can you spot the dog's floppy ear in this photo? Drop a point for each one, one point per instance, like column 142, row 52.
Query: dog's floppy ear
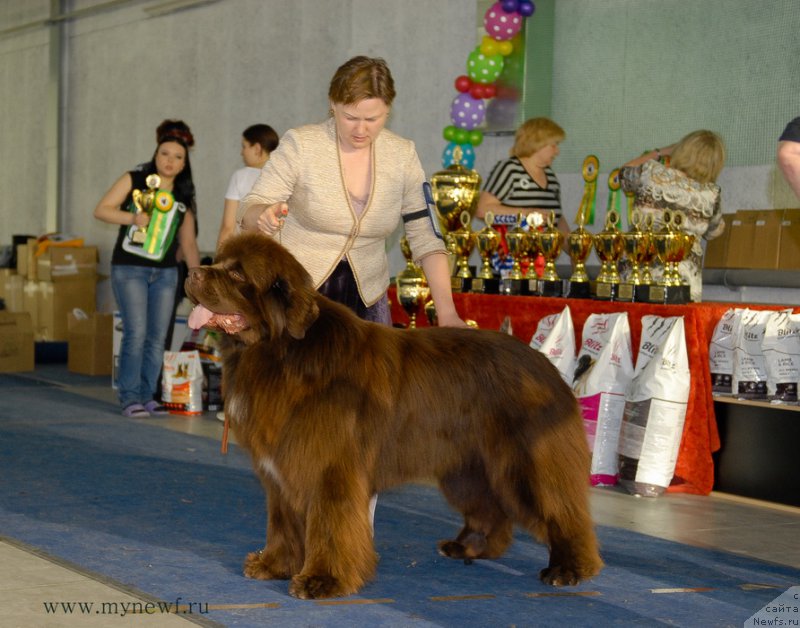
column 301, row 306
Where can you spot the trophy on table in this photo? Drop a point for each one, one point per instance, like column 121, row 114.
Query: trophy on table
column 640, row 252
column 672, row 246
column 412, row 287
column 487, row 241
column 550, row 241
column 519, row 243
column 609, row 245
column 145, row 202
column 461, row 242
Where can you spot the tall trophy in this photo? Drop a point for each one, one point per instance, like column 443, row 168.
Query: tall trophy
column 550, row 241
column 672, row 246
column 579, row 247
column 487, row 241
column 455, row 190
column 519, row 243
column 462, row 241
column 145, row 202
column 412, row 287
column 609, row 246
column 640, row 252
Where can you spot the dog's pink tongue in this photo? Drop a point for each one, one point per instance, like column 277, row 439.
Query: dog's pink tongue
column 199, row 316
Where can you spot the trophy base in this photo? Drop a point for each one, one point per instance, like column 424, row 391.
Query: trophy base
column 668, row 295
column 460, row 284
column 485, row 286
column 550, row 287
column 606, row 291
column 630, row 292
column 518, row 287
column 578, row 290
column 139, row 237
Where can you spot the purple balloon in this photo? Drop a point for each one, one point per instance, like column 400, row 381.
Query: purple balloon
column 526, row 8
column 510, row 6
column 467, row 112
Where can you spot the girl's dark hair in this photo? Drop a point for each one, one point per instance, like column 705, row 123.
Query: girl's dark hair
column 262, row 134
column 177, row 131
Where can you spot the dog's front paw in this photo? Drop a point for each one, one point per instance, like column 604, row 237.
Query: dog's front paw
column 472, row 545
column 562, row 576
column 316, row 587
column 260, row 566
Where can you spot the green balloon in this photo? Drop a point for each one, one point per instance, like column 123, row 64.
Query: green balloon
column 461, row 136
column 475, row 137
column 449, row 133
column 482, row 68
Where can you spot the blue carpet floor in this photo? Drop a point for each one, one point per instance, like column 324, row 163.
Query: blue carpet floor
column 167, row 515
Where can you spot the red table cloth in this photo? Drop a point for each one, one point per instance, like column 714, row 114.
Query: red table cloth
column 694, row 470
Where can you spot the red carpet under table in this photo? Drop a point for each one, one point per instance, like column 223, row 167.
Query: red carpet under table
column 694, row 471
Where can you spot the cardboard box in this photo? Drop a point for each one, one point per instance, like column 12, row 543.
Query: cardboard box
column 716, row 254
column 22, row 260
column 16, row 342
column 789, row 256
column 90, row 344
column 5, row 273
column 13, row 292
column 60, row 263
column 755, row 237
column 57, row 300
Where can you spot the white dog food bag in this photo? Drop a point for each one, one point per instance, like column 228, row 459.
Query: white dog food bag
column 749, row 379
column 555, row 338
column 781, row 349
column 602, row 372
column 655, row 408
column 182, row 382
column 720, row 352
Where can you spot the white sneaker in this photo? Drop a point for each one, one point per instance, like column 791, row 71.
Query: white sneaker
column 221, row 415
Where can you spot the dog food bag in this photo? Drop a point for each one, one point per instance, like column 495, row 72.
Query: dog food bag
column 781, row 349
column 182, row 382
column 602, row 372
column 749, row 379
column 720, row 352
column 655, row 408
column 555, row 338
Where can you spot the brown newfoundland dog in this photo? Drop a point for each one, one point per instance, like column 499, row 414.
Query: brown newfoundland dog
column 334, row 409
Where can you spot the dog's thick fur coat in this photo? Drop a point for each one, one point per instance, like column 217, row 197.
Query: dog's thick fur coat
column 334, row 409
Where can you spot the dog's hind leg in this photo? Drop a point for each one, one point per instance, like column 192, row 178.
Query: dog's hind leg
column 283, row 553
column 340, row 556
column 487, row 530
column 560, row 515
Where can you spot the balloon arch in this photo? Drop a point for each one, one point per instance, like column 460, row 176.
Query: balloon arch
column 503, row 22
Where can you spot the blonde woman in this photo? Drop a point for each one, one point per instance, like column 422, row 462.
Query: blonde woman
column 688, row 184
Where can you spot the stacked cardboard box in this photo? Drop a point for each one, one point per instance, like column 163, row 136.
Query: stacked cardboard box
column 761, row 239
column 90, row 343
column 16, row 342
column 51, row 282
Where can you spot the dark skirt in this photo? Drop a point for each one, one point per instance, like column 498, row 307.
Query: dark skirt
column 341, row 287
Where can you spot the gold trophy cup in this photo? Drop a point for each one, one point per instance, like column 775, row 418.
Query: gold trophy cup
column 550, row 241
column 462, row 241
column 455, row 190
column 412, row 287
column 672, row 246
column 609, row 246
column 144, row 200
column 488, row 241
column 640, row 251
column 579, row 247
column 519, row 243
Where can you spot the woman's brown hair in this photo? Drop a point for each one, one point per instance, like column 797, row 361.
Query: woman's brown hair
column 361, row 78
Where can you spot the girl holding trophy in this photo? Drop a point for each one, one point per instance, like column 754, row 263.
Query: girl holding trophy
column 155, row 209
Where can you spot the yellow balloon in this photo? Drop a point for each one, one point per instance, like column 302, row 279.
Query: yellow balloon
column 505, row 48
column 489, row 46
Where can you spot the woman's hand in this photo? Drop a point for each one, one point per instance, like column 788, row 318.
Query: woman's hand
column 449, row 319
column 271, row 219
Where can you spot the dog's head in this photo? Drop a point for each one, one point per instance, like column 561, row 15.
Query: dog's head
column 255, row 290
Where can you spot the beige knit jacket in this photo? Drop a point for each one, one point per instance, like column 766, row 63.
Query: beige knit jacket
column 321, row 227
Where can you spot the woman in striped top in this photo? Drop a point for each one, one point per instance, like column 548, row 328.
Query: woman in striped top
column 525, row 182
